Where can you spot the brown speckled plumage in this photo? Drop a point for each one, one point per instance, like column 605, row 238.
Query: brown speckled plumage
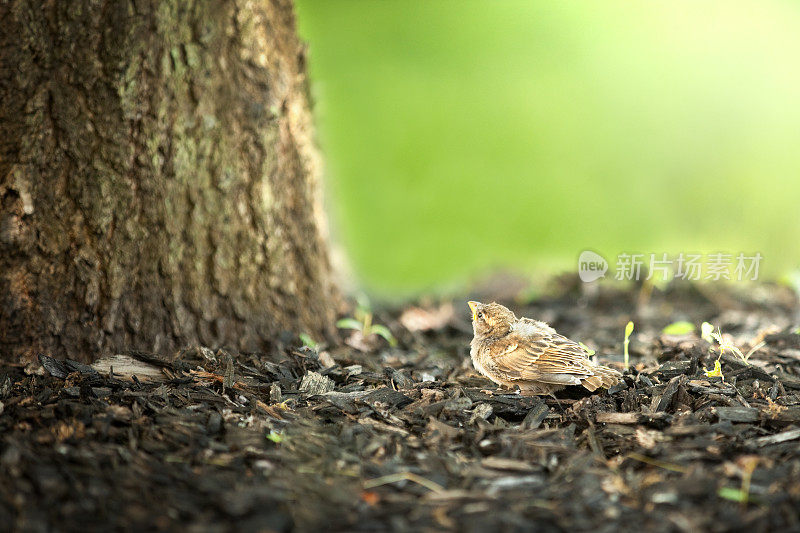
column 530, row 354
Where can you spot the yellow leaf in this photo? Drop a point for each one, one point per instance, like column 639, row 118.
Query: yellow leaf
column 716, row 372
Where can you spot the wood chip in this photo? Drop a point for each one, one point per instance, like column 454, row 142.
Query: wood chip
column 315, row 383
column 620, row 418
column 737, row 414
column 126, row 367
column 777, row 438
column 536, row 415
column 502, row 463
column 665, row 402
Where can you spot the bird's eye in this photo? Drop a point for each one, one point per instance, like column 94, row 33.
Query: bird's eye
column 480, row 314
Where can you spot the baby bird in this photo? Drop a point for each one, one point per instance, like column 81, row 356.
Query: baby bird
column 530, row 354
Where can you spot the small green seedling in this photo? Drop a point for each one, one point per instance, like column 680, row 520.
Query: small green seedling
column 681, row 327
column 586, row 349
column 628, row 331
column 741, row 495
column 707, row 333
column 306, row 339
column 735, row 495
column 363, row 322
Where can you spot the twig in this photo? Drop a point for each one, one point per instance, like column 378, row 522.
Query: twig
column 403, row 476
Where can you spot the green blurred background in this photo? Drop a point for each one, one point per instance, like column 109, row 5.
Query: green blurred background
column 462, row 136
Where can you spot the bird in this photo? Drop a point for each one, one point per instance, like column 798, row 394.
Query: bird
column 530, row 355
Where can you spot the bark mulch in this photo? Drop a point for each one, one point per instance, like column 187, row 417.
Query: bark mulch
column 410, row 438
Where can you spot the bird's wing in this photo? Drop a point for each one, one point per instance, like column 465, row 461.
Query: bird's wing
column 541, row 357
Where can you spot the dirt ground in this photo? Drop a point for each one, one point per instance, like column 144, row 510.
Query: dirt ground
column 364, row 436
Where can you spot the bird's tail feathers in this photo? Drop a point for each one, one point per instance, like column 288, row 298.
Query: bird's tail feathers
column 603, row 377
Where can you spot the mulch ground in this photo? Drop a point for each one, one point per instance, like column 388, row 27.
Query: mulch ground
column 411, row 438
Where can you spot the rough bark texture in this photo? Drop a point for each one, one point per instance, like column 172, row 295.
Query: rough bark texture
column 158, row 179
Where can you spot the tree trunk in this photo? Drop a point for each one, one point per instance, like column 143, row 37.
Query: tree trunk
column 158, row 179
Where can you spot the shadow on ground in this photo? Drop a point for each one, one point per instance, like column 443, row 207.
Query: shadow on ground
column 408, row 437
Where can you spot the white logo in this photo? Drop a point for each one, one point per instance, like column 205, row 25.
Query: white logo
column 591, row 266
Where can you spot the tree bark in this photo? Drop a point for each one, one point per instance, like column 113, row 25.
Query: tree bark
column 158, row 178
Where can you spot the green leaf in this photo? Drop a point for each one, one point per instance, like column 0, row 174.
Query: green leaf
column 384, row 332
column 681, row 327
column 275, row 437
column 306, row 339
column 628, row 329
column 349, row 323
column 732, row 494
column 586, row 349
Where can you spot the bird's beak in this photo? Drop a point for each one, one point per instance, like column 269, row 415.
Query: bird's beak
column 474, row 308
